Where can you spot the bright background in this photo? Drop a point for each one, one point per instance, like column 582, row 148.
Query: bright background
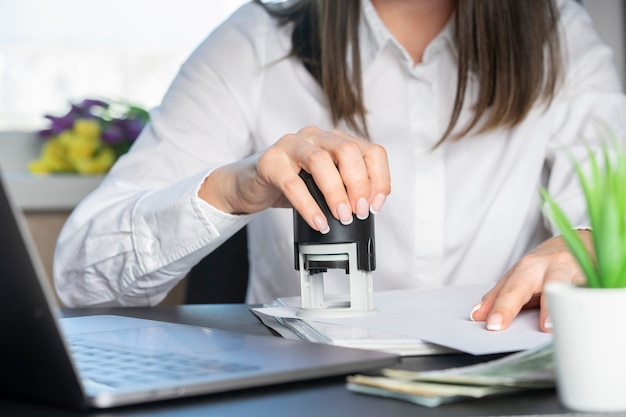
column 52, row 51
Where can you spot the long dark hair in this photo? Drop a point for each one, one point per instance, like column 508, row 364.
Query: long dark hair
column 512, row 48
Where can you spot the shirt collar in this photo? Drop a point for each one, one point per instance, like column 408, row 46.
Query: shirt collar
column 375, row 36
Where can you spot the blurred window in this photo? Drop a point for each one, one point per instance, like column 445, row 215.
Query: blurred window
column 55, row 51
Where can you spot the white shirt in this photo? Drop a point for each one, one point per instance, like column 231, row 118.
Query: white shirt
column 462, row 213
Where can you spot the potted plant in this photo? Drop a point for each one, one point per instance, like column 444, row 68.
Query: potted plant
column 589, row 321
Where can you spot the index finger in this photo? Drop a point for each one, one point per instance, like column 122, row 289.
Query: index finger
column 519, row 290
column 514, row 294
column 377, row 168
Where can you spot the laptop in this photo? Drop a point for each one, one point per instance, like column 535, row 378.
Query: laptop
column 104, row 361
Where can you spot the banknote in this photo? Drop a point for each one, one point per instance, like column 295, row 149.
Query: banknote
column 430, row 394
column 530, row 369
column 533, row 368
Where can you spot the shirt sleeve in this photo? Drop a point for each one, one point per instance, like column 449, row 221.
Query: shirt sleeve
column 144, row 227
column 589, row 112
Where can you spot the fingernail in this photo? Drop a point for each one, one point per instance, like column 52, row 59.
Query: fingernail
column 377, row 203
column 548, row 323
column 345, row 214
column 475, row 309
column 322, row 224
column 362, row 209
column 494, row 322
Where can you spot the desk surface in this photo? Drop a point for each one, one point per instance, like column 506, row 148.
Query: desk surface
column 324, row 397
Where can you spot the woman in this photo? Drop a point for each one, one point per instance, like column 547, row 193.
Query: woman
column 470, row 106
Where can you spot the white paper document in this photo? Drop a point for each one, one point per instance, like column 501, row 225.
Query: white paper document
column 436, row 315
column 346, row 336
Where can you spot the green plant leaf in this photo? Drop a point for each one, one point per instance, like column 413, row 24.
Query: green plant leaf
column 589, row 184
column 573, row 241
column 603, row 182
column 607, row 242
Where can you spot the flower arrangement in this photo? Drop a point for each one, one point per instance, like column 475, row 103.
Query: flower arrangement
column 89, row 138
column 604, row 187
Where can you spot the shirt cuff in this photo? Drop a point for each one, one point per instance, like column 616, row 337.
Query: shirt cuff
column 174, row 228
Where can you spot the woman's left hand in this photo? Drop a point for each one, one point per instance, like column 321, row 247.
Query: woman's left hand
column 522, row 286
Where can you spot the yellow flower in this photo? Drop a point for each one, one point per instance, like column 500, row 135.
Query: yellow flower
column 101, row 163
column 53, row 156
column 64, row 138
column 79, row 147
column 38, row 166
column 88, row 128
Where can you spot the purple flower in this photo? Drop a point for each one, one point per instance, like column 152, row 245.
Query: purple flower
column 132, row 127
column 88, row 103
column 113, row 134
column 45, row 134
column 60, row 124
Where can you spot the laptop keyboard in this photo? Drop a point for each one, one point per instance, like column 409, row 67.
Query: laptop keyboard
column 118, row 368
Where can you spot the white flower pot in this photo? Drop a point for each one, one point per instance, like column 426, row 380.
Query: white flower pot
column 590, row 346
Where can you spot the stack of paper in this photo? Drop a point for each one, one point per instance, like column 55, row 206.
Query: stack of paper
column 410, row 322
column 346, row 336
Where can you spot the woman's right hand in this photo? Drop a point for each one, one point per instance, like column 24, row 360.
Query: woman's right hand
column 352, row 173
